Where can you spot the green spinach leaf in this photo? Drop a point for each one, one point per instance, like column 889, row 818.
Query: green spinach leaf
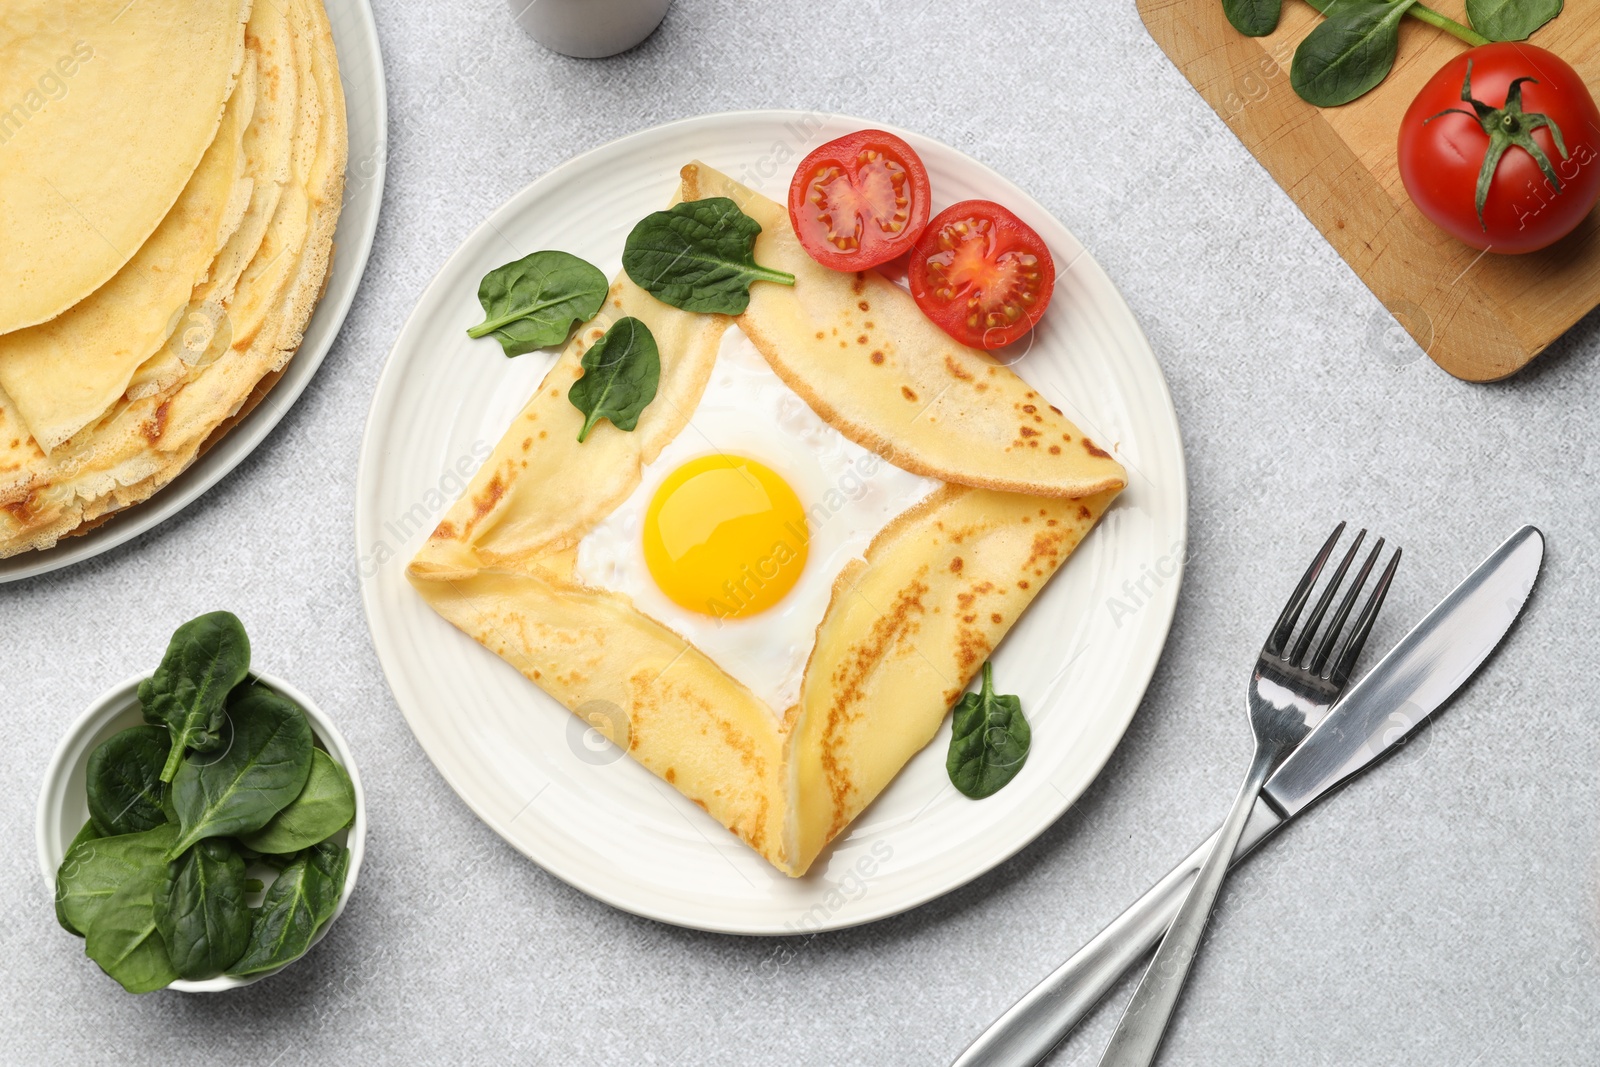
column 325, row 806
column 333, row 863
column 621, row 372
column 88, row 833
column 698, row 256
column 240, row 789
column 123, row 937
column 989, row 740
column 123, row 781
column 1253, row 18
column 200, row 909
column 95, row 868
column 188, row 693
column 533, row 302
column 1510, row 20
column 1349, row 53
column 299, row 901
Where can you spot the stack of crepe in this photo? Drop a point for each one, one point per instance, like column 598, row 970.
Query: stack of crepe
column 170, row 180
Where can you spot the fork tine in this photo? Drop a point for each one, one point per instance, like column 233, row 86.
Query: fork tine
column 1310, row 629
column 1358, row 636
column 1330, row 640
column 1291, row 611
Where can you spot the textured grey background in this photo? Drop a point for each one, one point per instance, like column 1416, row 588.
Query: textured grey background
column 1443, row 910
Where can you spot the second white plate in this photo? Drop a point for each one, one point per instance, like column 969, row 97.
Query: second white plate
column 1079, row 659
column 355, row 37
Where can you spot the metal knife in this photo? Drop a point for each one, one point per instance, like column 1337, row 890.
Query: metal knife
column 1376, row 714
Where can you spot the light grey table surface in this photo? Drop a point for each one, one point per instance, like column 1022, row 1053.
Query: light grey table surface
column 1443, row 910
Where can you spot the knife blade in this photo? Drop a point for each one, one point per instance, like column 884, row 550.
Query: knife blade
column 1428, row 666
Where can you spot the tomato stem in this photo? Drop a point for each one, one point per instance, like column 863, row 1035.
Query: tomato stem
column 1449, row 25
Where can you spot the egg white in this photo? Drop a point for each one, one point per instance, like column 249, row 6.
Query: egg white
column 848, row 493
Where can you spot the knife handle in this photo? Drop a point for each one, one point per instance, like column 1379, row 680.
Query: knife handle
column 1026, row 1033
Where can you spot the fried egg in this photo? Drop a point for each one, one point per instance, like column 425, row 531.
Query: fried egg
column 738, row 529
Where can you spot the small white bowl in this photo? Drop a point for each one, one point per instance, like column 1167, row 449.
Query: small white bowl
column 64, row 805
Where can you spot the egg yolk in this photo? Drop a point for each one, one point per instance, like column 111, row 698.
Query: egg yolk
column 725, row 536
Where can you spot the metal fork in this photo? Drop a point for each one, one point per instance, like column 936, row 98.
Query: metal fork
column 1291, row 690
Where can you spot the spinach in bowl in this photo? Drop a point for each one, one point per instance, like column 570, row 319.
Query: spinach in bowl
column 160, row 882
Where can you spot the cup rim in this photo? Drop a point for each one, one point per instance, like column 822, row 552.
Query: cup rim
column 73, row 748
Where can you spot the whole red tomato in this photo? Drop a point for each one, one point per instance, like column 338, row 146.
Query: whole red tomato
column 1502, row 148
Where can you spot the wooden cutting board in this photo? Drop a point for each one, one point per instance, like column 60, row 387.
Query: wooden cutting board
column 1481, row 317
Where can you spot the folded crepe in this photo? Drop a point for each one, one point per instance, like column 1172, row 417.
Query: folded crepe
column 908, row 624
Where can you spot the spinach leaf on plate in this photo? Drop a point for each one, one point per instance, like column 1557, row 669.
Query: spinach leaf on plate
column 698, row 256
column 988, row 742
column 1348, row 53
column 123, row 781
column 123, row 937
column 241, row 788
column 298, row 902
column 533, row 302
column 1510, row 20
column 188, row 693
column 621, row 372
column 325, row 806
column 200, row 909
column 94, row 868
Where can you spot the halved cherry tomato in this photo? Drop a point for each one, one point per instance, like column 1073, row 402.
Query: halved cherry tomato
column 859, row 201
column 981, row 274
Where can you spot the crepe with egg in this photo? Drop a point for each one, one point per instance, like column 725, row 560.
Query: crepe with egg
column 898, row 561
column 222, row 349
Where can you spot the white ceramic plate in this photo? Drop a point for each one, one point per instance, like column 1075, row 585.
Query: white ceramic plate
column 1080, row 659
column 361, row 69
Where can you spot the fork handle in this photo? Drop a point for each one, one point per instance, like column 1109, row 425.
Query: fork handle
column 1138, row 1034
column 1030, row 1028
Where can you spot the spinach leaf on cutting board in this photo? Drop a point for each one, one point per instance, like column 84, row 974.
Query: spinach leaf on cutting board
column 1253, row 18
column 1510, row 20
column 1351, row 51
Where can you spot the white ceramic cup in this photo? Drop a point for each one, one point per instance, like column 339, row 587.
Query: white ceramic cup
column 64, row 806
column 589, row 29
